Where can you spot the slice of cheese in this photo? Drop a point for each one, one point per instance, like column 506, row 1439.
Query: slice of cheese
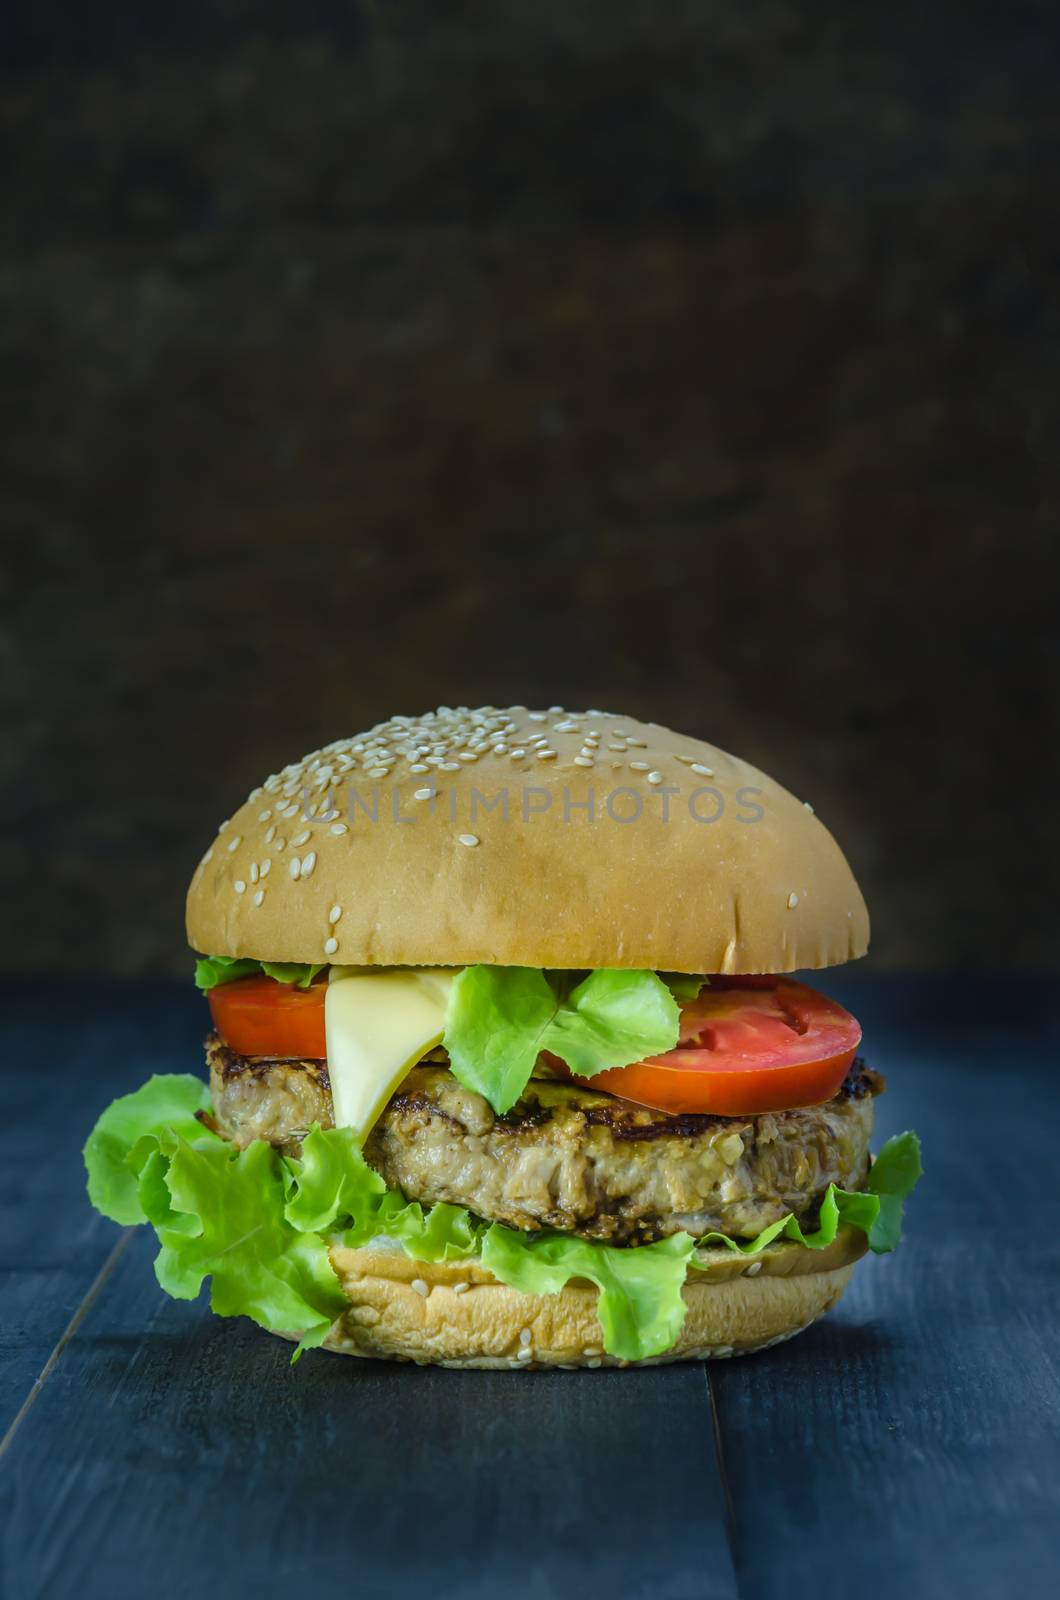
column 379, row 1022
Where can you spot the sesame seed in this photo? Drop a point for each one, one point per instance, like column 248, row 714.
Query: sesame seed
column 793, row 900
column 704, row 772
column 294, row 867
column 545, row 755
column 263, row 816
column 308, row 863
column 234, row 844
column 638, row 744
column 330, row 946
column 378, row 772
column 756, row 1266
column 263, row 870
column 596, row 1362
column 221, row 826
column 337, row 828
column 583, row 761
column 270, row 834
column 239, row 886
column 524, row 1355
column 461, row 1287
column 419, row 766
column 253, row 872
column 517, row 755
column 301, row 838
column 469, row 755
column 686, row 760
column 259, row 897
column 290, row 811
column 808, row 806
column 655, row 777
column 468, row 838
column 618, row 733
column 334, row 914
column 619, row 747
column 448, row 766
column 420, row 1287
column 422, row 794
column 536, row 716
column 524, row 1337
column 500, row 749
column 207, row 857
column 279, row 844
column 640, row 766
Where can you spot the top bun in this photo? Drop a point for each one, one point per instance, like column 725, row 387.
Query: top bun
column 689, row 859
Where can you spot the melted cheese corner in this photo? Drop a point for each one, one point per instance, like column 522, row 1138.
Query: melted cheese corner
column 379, row 1022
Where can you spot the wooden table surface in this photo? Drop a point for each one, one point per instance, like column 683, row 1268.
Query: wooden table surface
column 909, row 1445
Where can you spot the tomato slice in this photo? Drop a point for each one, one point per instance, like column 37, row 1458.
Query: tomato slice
column 259, row 1017
column 745, row 1047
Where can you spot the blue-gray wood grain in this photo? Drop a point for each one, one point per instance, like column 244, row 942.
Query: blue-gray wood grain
column 911, row 1441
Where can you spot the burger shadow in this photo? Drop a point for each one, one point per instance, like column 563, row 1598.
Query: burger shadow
column 825, row 1347
column 198, row 1391
column 219, row 1404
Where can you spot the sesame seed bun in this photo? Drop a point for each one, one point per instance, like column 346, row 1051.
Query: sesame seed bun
column 689, row 860
column 455, row 1314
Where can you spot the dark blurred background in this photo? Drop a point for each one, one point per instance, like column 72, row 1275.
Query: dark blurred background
column 695, row 360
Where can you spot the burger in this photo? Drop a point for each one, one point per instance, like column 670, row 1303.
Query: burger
column 507, row 1067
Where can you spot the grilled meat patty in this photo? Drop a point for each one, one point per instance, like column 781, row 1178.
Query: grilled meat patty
column 567, row 1157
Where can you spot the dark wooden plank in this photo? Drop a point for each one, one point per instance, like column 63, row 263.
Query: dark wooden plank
column 911, row 1442
column 67, row 1050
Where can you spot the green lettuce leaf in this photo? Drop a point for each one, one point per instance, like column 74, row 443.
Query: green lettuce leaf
column 640, row 1308
column 331, row 1183
column 299, row 974
column 128, row 1132
column 217, row 1212
column 156, row 1199
column 332, row 1186
column 501, row 1018
column 877, row 1212
column 439, row 1233
column 259, row 1266
column 211, row 971
column 684, row 986
column 892, row 1178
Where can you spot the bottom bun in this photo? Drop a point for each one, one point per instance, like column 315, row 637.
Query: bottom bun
column 455, row 1314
